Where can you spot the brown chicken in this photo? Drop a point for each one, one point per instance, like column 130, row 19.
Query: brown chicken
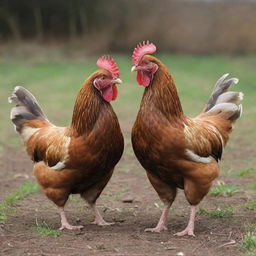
column 79, row 158
column 178, row 151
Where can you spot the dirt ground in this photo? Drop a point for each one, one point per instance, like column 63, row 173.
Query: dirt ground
column 126, row 236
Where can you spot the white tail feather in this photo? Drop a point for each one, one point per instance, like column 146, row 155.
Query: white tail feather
column 230, row 97
column 225, row 110
column 222, row 102
column 26, row 109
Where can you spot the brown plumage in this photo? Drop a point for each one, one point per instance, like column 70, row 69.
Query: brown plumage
column 178, row 151
column 79, row 158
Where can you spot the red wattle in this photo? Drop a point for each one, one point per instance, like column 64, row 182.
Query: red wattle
column 109, row 93
column 115, row 92
column 143, row 78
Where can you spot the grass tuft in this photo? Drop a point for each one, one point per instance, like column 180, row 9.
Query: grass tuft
column 24, row 191
column 249, row 240
column 251, row 205
column 224, row 190
column 219, row 213
column 246, row 172
column 46, row 230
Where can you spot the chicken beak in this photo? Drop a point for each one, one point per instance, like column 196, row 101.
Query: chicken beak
column 117, row 81
column 133, row 68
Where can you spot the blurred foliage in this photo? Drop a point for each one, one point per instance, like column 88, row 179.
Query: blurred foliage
column 185, row 26
column 45, row 18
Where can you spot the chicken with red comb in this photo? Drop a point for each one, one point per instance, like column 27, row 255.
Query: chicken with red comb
column 109, row 93
column 80, row 158
column 143, row 76
column 178, row 151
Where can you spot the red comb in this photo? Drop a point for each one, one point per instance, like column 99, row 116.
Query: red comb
column 109, row 64
column 140, row 50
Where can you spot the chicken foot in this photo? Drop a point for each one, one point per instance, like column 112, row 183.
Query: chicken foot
column 64, row 222
column 98, row 220
column 162, row 223
column 189, row 230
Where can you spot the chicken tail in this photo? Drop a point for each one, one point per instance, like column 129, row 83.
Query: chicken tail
column 223, row 102
column 26, row 109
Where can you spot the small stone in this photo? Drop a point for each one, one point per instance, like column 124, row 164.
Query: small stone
column 171, row 248
column 89, row 247
column 128, row 200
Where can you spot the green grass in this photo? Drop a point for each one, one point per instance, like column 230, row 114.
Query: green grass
column 224, row 190
column 251, row 205
column 219, row 213
column 24, row 191
column 55, row 83
column 45, row 230
column 249, row 240
column 247, row 172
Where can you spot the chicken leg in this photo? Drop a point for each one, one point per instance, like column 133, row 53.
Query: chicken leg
column 189, row 230
column 162, row 223
column 167, row 194
column 98, row 220
column 64, row 222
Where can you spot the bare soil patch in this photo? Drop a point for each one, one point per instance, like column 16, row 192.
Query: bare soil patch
column 127, row 236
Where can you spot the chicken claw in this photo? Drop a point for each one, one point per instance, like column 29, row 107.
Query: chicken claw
column 70, row 227
column 64, row 222
column 186, row 231
column 98, row 218
column 102, row 222
column 189, row 230
column 162, row 223
column 157, row 229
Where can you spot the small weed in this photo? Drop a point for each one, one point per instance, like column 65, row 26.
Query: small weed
column 246, row 172
column 24, row 191
column 46, row 230
column 101, row 247
column 219, row 213
column 249, row 240
column 3, row 212
column 123, row 210
column 224, row 190
column 250, row 227
column 251, row 205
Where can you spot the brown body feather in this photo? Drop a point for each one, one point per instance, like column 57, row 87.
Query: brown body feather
column 89, row 148
column 162, row 134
